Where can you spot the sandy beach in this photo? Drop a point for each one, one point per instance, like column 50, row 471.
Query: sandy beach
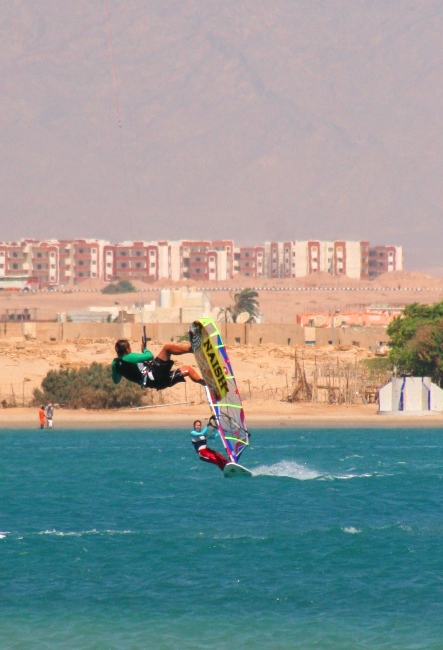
column 265, row 375
column 264, row 415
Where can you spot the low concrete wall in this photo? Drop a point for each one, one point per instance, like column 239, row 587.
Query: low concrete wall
column 232, row 333
column 96, row 330
column 363, row 337
column 10, row 330
column 323, row 336
column 257, row 333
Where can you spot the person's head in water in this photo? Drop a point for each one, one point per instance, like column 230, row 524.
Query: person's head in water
column 122, row 347
column 197, row 425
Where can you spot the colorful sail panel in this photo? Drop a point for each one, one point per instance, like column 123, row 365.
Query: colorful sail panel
column 222, row 392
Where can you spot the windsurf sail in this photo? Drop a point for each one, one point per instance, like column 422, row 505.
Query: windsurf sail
column 221, row 388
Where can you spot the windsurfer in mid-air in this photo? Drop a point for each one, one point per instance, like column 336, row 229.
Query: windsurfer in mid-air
column 199, row 437
column 149, row 372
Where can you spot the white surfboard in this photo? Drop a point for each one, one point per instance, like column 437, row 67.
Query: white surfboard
column 235, row 470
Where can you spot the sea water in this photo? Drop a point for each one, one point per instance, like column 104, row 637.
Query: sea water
column 124, row 539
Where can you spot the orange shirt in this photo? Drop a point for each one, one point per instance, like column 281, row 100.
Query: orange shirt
column 41, row 415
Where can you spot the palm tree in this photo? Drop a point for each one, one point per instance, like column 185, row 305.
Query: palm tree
column 245, row 301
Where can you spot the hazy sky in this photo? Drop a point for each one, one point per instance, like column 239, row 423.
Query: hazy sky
column 244, row 119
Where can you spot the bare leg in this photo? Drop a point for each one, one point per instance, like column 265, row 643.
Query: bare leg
column 173, row 348
column 188, row 371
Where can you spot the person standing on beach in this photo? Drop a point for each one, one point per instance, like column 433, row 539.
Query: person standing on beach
column 149, row 372
column 49, row 415
column 41, row 415
column 199, row 437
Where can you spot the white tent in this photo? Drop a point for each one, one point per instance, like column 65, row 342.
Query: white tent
column 410, row 396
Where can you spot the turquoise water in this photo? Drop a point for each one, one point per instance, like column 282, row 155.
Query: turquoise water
column 125, row 539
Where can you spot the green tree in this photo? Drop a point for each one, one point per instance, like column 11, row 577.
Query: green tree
column 91, row 387
column 124, row 286
column 417, row 341
column 245, row 301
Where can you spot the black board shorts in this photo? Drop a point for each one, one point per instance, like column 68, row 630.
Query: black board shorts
column 164, row 376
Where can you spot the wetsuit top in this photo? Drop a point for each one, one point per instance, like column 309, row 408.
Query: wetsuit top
column 199, row 438
column 50, row 412
column 132, row 366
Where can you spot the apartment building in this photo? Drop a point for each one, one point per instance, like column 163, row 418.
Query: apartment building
column 30, row 258
column 206, row 260
column 292, row 259
column 136, row 259
column 63, row 262
column 250, row 261
column 14, row 259
column 44, row 262
column 383, row 259
column 226, row 246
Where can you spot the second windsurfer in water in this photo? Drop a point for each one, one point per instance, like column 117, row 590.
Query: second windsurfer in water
column 149, row 372
column 199, row 437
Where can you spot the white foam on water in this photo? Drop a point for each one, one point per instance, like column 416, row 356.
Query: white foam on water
column 60, row 533
column 287, row 468
column 3, row 534
column 351, row 530
column 343, row 477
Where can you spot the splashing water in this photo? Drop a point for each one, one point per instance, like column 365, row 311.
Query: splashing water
column 287, row 468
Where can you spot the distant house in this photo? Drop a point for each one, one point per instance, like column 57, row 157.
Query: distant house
column 410, row 396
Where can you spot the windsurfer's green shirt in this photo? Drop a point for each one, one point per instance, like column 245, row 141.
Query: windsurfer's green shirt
column 133, row 366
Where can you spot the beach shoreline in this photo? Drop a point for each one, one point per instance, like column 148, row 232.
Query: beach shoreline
column 264, row 415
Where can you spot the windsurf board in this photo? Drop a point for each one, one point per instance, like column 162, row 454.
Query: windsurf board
column 232, row 470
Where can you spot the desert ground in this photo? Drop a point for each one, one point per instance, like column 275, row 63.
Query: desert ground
column 280, row 300
column 266, row 374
